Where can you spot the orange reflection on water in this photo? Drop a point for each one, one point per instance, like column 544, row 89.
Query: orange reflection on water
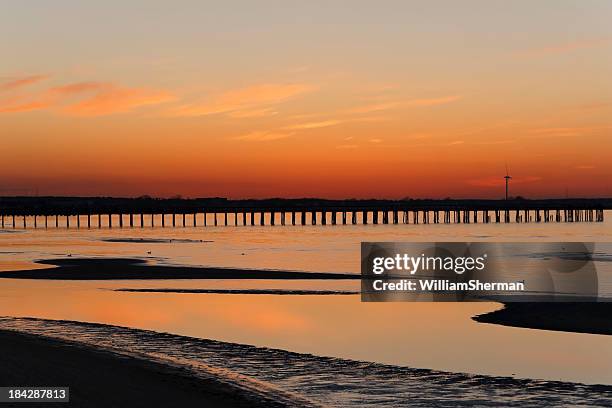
column 426, row 335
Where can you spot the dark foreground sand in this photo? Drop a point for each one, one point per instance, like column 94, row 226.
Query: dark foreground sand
column 102, row 379
column 579, row 317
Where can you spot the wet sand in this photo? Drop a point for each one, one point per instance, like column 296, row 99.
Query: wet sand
column 100, row 378
column 156, row 240
column 174, row 370
column 134, row 268
column 579, row 317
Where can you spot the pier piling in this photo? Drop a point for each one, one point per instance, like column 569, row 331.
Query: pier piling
column 387, row 212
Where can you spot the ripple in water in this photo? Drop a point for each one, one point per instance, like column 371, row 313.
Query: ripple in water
column 304, row 379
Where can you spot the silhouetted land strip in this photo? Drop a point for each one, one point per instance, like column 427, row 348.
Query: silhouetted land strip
column 579, row 317
column 112, row 205
column 103, row 379
column 127, row 268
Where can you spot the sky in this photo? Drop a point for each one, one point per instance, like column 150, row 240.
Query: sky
column 337, row 99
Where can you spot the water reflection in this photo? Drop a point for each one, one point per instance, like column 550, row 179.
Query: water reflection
column 439, row 336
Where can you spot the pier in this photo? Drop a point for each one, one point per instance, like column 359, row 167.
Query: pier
column 106, row 212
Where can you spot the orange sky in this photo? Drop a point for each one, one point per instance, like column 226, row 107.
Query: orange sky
column 373, row 100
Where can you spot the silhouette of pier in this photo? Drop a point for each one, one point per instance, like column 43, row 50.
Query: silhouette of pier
column 108, row 212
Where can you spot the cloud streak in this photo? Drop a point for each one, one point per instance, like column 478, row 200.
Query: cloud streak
column 251, row 99
column 433, row 101
column 109, row 99
column 264, row 136
column 314, row 125
column 23, row 107
column 83, row 98
column 385, row 106
column 21, row 82
column 256, row 113
column 375, row 107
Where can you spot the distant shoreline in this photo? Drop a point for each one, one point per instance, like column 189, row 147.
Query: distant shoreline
column 69, row 205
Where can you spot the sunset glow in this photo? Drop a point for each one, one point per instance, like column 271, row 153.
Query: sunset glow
column 342, row 99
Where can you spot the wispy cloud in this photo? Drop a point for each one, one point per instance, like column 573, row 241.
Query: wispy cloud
column 91, row 98
column 256, row 113
column 347, row 146
column 264, row 136
column 375, row 107
column 314, row 125
column 23, row 106
column 86, row 99
column 585, row 167
column 18, row 101
column 456, row 142
column 370, row 119
column 290, row 130
column 252, row 98
column 379, row 88
column 384, row 106
column 78, row 88
column 557, row 132
column 21, row 82
column 433, row 101
column 115, row 99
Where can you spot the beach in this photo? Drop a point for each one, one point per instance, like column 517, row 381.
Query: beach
column 99, row 378
column 118, row 366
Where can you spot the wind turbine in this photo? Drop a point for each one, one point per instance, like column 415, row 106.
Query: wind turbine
column 508, row 178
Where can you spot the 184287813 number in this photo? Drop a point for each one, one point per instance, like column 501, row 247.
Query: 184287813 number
column 39, row 394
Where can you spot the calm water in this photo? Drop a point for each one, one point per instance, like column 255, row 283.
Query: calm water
column 437, row 336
